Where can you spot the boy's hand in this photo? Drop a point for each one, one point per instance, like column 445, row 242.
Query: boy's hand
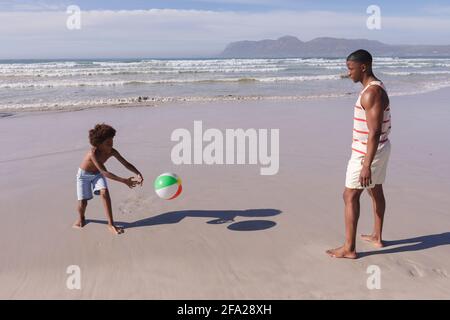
column 130, row 182
column 141, row 179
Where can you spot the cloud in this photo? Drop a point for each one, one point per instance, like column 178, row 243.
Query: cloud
column 437, row 10
column 32, row 5
column 245, row 2
column 187, row 33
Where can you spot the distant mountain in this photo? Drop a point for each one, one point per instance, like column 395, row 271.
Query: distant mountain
column 290, row 47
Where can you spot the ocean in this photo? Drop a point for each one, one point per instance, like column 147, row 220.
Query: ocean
column 71, row 84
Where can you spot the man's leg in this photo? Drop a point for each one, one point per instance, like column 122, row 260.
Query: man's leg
column 379, row 207
column 82, row 204
column 106, row 199
column 351, row 200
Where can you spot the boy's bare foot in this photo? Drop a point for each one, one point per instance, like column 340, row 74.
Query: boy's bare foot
column 377, row 242
column 80, row 223
column 341, row 252
column 114, row 229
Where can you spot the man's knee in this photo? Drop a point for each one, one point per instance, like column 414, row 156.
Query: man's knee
column 376, row 192
column 351, row 195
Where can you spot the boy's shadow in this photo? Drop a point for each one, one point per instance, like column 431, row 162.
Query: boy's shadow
column 219, row 217
column 412, row 244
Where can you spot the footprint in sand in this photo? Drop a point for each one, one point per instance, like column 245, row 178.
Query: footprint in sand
column 136, row 203
column 440, row 272
column 414, row 269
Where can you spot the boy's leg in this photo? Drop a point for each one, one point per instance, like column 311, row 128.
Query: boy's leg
column 84, row 193
column 106, row 199
column 379, row 207
column 351, row 200
column 82, row 204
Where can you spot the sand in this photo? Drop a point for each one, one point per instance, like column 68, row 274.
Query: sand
column 233, row 233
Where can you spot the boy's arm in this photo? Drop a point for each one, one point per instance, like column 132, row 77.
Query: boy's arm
column 101, row 167
column 126, row 164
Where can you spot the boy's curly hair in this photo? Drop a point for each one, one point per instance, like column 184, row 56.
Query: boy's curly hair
column 100, row 133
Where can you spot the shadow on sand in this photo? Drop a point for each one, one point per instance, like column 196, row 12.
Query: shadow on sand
column 218, row 216
column 411, row 244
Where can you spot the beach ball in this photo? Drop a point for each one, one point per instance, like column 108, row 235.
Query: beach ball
column 168, row 186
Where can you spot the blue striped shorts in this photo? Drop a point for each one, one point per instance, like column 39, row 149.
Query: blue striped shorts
column 88, row 183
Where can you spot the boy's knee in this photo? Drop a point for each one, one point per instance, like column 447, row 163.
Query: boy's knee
column 83, row 203
column 104, row 193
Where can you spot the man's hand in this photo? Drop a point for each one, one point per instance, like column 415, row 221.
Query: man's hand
column 130, row 182
column 365, row 177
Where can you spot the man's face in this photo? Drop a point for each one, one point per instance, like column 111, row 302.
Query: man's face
column 355, row 70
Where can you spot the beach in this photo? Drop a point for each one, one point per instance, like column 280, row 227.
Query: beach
column 233, row 233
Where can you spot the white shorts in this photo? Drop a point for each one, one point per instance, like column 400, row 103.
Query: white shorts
column 88, row 182
column 378, row 168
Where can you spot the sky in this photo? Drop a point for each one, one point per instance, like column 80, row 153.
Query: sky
column 202, row 28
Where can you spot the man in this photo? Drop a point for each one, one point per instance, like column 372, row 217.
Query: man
column 370, row 153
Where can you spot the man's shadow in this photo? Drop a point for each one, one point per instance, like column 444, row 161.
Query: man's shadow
column 219, row 217
column 411, row 244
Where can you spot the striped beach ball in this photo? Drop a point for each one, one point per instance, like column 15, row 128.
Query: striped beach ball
column 168, row 186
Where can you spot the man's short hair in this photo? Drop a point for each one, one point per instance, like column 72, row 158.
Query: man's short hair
column 361, row 56
column 100, row 133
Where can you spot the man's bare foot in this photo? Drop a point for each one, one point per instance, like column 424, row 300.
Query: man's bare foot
column 80, row 223
column 377, row 242
column 114, row 229
column 341, row 252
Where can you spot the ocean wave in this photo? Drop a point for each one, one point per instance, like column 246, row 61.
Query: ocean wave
column 8, row 109
column 40, row 85
column 425, row 88
column 147, row 63
column 304, row 78
column 90, row 72
column 208, row 62
column 47, row 84
column 412, row 73
column 158, row 67
column 151, row 101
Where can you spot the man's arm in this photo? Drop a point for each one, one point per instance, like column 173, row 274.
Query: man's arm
column 126, row 164
column 373, row 102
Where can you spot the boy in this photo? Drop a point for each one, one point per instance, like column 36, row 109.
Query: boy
column 92, row 172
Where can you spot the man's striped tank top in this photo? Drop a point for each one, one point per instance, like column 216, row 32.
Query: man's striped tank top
column 360, row 129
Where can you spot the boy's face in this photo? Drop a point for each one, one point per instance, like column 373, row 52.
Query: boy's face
column 107, row 145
